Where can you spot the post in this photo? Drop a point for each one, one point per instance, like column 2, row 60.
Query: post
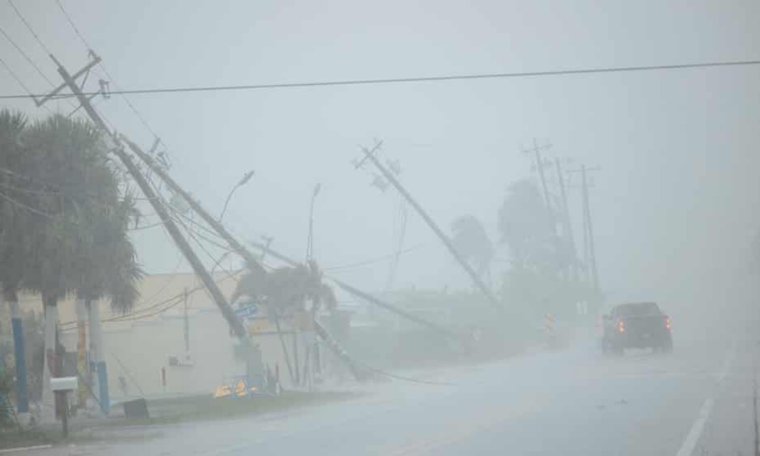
column 369, row 154
column 81, row 312
column 186, row 326
column 98, row 358
column 19, row 354
column 49, row 363
column 63, row 399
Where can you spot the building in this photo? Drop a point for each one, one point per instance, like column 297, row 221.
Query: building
column 176, row 342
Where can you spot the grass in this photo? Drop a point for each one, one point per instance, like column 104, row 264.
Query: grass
column 201, row 408
column 168, row 411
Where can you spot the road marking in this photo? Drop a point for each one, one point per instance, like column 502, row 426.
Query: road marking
column 29, row 448
column 688, row 445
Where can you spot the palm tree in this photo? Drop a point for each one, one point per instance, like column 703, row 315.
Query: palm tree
column 82, row 246
column 526, row 225
column 284, row 293
column 472, row 242
column 14, row 216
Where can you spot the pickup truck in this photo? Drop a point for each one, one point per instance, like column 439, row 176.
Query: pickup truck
column 636, row 325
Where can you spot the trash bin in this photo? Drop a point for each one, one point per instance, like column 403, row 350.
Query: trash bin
column 136, row 409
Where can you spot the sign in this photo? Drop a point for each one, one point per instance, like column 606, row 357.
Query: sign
column 248, row 312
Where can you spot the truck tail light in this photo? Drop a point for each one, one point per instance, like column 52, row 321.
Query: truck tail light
column 667, row 323
column 621, row 326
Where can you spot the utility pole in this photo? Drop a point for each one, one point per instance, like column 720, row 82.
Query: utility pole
column 568, row 226
column 370, row 156
column 171, row 227
column 588, row 227
column 252, row 259
column 310, row 238
column 540, row 168
column 238, row 247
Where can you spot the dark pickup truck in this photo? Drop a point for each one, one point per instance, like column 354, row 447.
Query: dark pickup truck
column 636, row 325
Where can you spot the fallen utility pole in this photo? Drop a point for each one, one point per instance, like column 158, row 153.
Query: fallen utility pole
column 366, row 296
column 370, row 155
column 175, row 233
column 250, row 258
column 236, row 245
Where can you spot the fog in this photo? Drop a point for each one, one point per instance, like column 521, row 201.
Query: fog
column 674, row 199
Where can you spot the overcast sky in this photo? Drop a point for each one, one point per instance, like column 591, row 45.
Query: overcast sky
column 674, row 202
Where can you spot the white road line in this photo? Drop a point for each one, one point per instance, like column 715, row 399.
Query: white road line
column 688, row 445
column 29, row 448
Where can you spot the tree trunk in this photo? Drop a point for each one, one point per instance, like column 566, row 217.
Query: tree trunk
column 82, row 367
column 19, row 352
column 50, row 363
column 284, row 345
column 97, row 358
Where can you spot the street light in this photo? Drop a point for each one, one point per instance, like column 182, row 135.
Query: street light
column 310, row 239
column 246, row 177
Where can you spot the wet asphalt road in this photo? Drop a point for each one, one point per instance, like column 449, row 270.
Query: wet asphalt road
column 697, row 400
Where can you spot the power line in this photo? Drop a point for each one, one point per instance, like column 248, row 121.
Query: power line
column 39, row 42
column 372, row 261
column 28, row 59
column 73, row 26
column 29, row 27
column 105, row 70
column 20, row 81
column 404, row 80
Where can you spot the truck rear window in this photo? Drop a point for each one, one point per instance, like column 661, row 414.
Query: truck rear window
column 637, row 309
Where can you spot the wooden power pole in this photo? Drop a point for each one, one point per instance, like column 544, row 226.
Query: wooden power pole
column 370, row 155
column 171, row 227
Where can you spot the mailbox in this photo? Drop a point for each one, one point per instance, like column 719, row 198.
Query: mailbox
column 64, row 384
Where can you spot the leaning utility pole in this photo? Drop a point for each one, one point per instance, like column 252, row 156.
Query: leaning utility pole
column 370, row 155
column 588, row 227
column 252, row 259
column 238, row 247
column 157, row 204
column 568, row 226
column 540, row 168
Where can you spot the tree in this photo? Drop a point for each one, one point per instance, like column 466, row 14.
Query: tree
column 526, row 225
column 16, row 213
column 534, row 284
column 284, row 293
column 472, row 242
column 80, row 245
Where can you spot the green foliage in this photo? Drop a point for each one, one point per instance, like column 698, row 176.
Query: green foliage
column 472, row 242
column 65, row 220
column 285, row 290
column 526, row 225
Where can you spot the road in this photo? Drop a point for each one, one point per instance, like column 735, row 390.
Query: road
column 697, row 400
